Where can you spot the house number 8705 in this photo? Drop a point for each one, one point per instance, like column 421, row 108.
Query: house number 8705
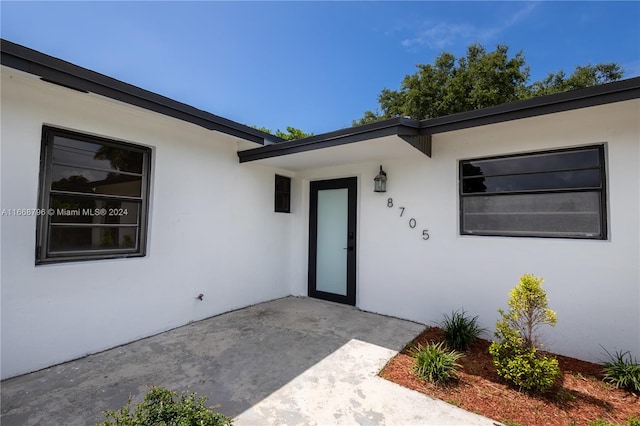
column 412, row 221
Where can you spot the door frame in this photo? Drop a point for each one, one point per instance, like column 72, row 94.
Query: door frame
column 351, row 184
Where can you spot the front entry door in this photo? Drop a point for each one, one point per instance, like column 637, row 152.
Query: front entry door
column 332, row 240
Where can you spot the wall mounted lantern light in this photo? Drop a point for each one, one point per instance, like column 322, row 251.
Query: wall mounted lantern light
column 380, row 181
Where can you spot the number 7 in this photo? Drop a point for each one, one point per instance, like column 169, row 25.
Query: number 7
column 402, row 212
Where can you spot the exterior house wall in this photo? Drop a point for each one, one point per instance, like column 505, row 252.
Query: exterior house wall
column 212, row 230
column 594, row 286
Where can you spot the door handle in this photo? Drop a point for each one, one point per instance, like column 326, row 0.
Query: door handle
column 350, row 248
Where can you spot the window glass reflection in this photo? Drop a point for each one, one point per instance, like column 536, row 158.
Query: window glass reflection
column 95, row 155
column 539, row 181
column 64, row 238
column 533, row 163
column 76, row 179
column 89, row 210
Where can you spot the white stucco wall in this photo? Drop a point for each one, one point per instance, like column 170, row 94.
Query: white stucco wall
column 594, row 286
column 212, row 230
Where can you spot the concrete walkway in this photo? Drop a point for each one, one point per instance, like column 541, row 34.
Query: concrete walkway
column 294, row 361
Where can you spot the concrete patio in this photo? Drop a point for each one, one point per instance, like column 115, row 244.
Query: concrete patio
column 288, row 361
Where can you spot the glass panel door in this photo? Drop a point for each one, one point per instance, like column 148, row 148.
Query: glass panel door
column 331, row 257
column 332, row 240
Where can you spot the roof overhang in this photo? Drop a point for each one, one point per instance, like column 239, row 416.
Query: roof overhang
column 399, row 137
column 369, row 150
column 56, row 71
column 393, row 138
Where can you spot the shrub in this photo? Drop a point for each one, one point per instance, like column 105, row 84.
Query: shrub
column 160, row 407
column 622, row 371
column 459, row 330
column 528, row 310
column 436, row 363
column 516, row 353
column 524, row 367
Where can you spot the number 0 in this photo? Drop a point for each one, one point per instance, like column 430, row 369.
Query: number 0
column 412, row 223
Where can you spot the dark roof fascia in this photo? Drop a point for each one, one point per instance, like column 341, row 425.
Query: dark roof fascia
column 418, row 133
column 574, row 99
column 394, row 126
column 66, row 74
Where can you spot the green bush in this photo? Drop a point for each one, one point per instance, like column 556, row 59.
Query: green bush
column 622, row 371
column 459, row 330
column 529, row 310
column 436, row 363
column 524, row 367
column 516, row 354
column 161, row 408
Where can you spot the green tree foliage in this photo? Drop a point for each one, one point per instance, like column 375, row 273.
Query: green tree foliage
column 291, row 134
column 582, row 77
column 528, row 310
column 479, row 79
column 516, row 353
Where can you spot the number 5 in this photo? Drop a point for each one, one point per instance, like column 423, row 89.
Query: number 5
column 425, row 234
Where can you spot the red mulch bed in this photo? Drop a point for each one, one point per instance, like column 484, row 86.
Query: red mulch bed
column 579, row 398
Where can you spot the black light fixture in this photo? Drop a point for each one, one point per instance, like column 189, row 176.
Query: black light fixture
column 380, row 181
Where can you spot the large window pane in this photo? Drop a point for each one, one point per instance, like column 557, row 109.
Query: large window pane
column 77, row 179
column 582, row 159
column 83, row 210
column 570, row 214
column 536, row 181
column 66, row 238
column 552, row 194
column 96, row 155
column 94, row 191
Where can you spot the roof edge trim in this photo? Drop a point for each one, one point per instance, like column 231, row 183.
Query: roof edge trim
column 392, row 126
column 616, row 91
column 57, row 71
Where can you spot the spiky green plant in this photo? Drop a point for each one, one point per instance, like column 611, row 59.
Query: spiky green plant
column 622, row 371
column 459, row 330
column 436, row 363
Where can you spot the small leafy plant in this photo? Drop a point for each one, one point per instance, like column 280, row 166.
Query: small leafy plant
column 459, row 330
column 165, row 407
column 516, row 353
column 622, row 371
column 436, row 363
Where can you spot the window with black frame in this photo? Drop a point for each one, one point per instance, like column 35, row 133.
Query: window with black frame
column 282, row 201
column 94, row 193
column 557, row 193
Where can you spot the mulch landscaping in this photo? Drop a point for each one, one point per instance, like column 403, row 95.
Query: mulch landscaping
column 579, row 398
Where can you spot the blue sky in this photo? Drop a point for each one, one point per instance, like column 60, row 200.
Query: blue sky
column 311, row 65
